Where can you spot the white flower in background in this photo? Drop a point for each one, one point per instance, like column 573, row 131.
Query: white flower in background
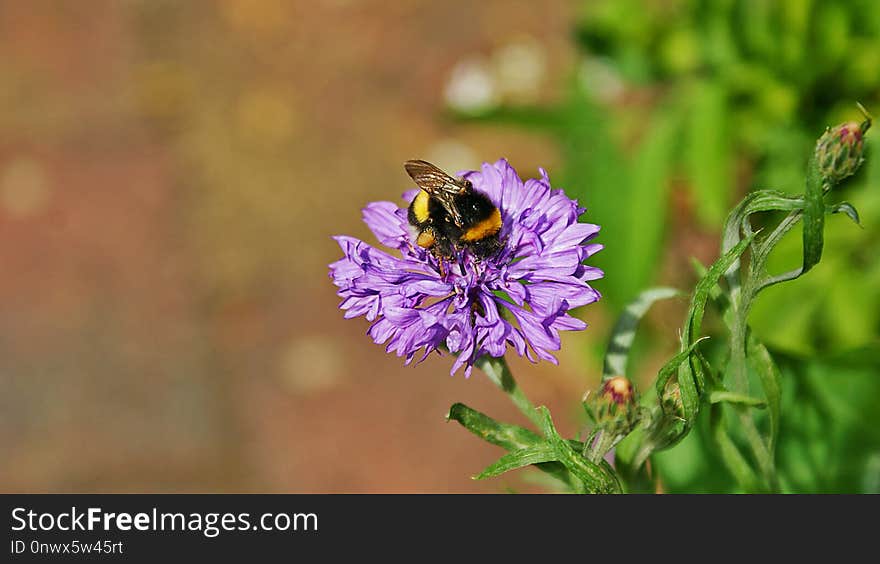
column 519, row 68
column 599, row 79
column 514, row 73
column 471, row 86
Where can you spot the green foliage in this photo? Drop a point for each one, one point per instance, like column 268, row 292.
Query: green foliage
column 829, row 440
column 742, row 430
column 551, row 453
column 710, row 99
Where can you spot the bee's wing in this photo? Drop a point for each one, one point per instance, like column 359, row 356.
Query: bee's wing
column 437, row 184
column 433, row 180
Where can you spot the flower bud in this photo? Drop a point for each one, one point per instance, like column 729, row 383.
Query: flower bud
column 619, row 390
column 615, row 405
column 671, row 400
column 839, row 151
column 615, row 413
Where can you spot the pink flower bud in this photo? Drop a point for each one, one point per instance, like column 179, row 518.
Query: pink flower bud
column 839, row 151
column 619, row 390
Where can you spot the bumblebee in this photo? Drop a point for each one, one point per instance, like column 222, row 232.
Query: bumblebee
column 449, row 215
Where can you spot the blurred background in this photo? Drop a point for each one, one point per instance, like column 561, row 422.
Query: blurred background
column 171, row 174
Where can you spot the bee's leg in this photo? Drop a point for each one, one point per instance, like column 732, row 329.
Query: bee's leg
column 442, row 266
column 444, row 254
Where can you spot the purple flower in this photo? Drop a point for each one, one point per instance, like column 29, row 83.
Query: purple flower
column 518, row 297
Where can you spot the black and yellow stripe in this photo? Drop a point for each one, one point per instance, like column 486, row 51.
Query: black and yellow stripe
column 484, row 229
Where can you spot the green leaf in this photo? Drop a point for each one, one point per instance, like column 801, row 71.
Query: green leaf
column 848, row 209
column 704, row 288
column 730, row 454
column 517, row 459
column 724, row 396
column 814, row 217
column 624, row 331
column 738, row 221
column 595, row 478
column 690, row 373
column 716, row 293
column 768, row 372
column 771, row 200
column 510, row 437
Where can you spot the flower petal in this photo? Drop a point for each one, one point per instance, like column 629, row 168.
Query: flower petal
column 385, row 221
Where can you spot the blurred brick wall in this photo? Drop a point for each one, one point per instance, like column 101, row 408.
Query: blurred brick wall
column 170, row 174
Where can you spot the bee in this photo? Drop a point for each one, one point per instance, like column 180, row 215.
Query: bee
column 449, row 215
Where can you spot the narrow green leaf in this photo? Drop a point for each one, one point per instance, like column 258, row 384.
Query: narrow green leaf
column 690, row 377
column 510, row 437
column 730, row 238
column 716, row 293
column 768, row 372
column 724, row 396
column 624, row 331
column 595, row 478
column 847, row 208
column 754, row 202
column 759, row 201
column 730, row 454
column 519, row 458
column 814, row 217
column 772, row 200
column 771, row 241
column 704, row 287
column 759, row 448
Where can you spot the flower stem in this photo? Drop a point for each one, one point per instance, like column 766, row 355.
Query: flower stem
column 499, row 372
column 754, row 282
